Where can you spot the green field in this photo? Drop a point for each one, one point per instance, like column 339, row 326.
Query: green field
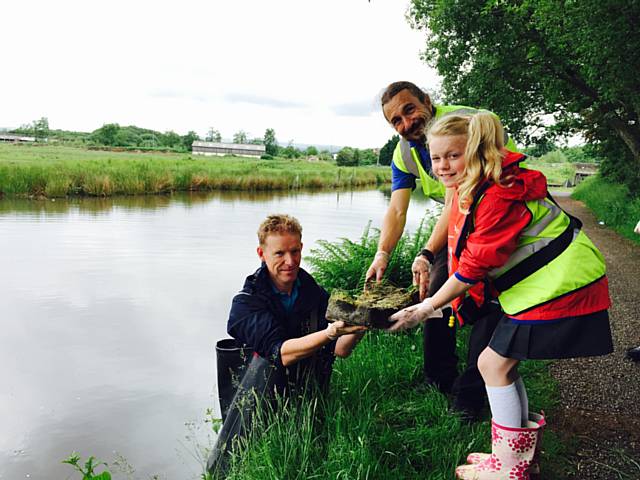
column 58, row 171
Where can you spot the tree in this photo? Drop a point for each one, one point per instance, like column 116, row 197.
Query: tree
column 367, row 157
column 240, row 137
column 311, row 151
column 347, row 157
column 385, row 157
column 578, row 61
column 543, row 146
column 270, row 142
column 289, row 151
column 189, row 138
column 170, row 139
column 213, row 135
column 41, row 128
column 106, row 135
column 126, row 137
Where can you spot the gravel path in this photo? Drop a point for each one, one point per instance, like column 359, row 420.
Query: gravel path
column 600, row 397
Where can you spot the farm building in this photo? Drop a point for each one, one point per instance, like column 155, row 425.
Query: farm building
column 240, row 149
column 11, row 137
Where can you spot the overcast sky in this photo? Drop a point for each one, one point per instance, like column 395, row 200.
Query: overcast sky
column 311, row 70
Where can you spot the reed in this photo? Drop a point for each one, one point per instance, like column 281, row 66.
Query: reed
column 56, row 171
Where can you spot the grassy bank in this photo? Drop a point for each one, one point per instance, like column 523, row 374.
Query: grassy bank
column 556, row 173
column 612, row 204
column 380, row 422
column 37, row 171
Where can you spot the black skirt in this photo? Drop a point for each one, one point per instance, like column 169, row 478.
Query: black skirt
column 581, row 336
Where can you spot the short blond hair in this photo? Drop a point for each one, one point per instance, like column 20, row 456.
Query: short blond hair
column 278, row 223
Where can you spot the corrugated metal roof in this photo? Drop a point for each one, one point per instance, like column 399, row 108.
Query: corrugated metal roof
column 231, row 146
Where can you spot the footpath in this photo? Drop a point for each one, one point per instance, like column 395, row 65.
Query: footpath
column 599, row 404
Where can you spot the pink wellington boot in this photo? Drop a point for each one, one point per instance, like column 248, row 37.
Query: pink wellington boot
column 512, row 453
column 534, row 469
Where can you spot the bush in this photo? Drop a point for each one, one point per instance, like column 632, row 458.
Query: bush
column 612, row 204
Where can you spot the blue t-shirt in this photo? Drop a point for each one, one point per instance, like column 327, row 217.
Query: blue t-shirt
column 288, row 301
column 400, row 179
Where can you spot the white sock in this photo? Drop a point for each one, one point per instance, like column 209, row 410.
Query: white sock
column 505, row 405
column 524, row 400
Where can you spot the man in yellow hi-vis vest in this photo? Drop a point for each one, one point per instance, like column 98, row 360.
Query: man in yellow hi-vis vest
column 409, row 111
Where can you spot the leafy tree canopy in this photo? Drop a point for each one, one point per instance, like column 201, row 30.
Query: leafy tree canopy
column 386, row 153
column 270, row 142
column 213, row 135
column 347, row 157
column 578, row 61
column 240, row 137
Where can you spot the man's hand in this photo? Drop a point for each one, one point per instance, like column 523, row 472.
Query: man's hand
column 420, row 271
column 413, row 315
column 378, row 267
column 339, row 328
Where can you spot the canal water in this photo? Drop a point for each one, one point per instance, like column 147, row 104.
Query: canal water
column 110, row 309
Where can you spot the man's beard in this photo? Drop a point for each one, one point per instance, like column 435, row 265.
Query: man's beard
column 417, row 130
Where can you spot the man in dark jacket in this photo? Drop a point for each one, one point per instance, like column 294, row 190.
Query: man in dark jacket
column 281, row 309
column 280, row 314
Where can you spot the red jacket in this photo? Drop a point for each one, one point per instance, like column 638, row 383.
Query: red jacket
column 498, row 221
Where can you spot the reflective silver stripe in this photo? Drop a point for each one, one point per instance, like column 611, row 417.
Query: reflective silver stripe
column 460, row 111
column 526, row 251
column 554, row 212
column 407, row 158
column 519, row 255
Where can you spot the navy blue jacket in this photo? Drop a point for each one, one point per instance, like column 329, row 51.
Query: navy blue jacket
column 258, row 319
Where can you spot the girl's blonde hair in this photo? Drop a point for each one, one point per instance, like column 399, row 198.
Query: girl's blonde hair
column 483, row 153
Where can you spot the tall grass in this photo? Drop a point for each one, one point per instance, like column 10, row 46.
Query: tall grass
column 612, row 204
column 45, row 171
column 379, row 421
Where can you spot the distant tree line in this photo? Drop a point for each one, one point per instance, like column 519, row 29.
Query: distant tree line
column 132, row 137
column 38, row 129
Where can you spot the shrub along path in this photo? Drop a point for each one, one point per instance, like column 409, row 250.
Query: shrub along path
column 599, row 407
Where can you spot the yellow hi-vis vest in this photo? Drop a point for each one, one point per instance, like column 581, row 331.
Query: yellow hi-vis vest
column 553, row 257
column 407, row 158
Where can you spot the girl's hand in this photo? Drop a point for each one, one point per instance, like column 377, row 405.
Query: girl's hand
column 413, row 315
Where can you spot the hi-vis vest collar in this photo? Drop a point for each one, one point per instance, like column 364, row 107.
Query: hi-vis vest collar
column 553, row 258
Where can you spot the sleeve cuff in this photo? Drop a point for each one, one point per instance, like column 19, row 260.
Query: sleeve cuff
column 275, row 356
column 465, row 279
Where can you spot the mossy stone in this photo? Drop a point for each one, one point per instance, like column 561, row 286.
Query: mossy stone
column 372, row 308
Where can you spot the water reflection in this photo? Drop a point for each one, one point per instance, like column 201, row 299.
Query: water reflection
column 93, row 205
column 110, row 309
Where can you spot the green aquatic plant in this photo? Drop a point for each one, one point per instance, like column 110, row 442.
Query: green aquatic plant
column 88, row 469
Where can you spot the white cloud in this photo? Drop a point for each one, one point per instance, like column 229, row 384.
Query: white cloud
column 311, row 70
